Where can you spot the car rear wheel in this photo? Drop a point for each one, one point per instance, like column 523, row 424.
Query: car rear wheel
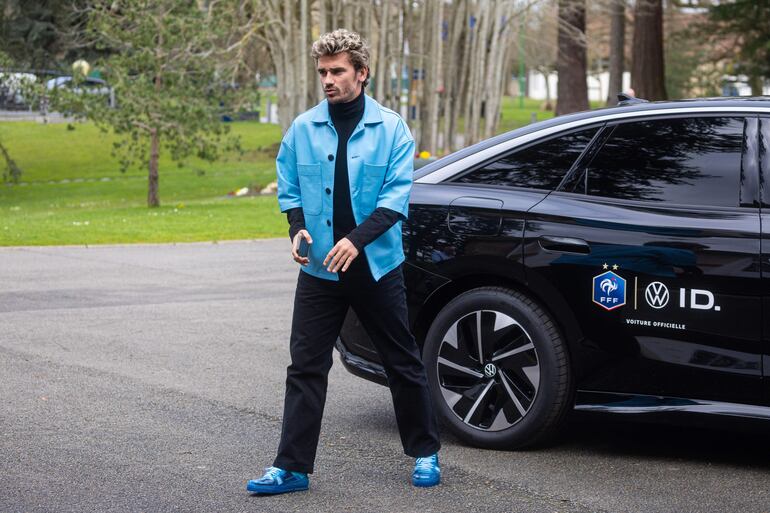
column 498, row 369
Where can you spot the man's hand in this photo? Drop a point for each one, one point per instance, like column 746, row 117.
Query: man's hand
column 302, row 234
column 342, row 255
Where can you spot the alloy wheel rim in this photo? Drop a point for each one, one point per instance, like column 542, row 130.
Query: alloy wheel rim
column 488, row 370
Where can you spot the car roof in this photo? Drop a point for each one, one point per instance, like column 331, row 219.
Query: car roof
column 636, row 105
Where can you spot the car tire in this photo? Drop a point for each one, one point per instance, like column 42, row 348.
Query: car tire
column 519, row 391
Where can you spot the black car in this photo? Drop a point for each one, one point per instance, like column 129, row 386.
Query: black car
column 613, row 260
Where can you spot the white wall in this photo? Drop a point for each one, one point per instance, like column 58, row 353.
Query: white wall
column 597, row 85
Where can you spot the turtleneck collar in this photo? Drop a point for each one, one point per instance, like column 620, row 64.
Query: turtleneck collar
column 353, row 109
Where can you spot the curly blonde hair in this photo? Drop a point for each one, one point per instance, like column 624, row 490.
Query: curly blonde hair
column 342, row 40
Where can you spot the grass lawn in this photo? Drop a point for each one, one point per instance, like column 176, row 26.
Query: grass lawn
column 512, row 117
column 72, row 190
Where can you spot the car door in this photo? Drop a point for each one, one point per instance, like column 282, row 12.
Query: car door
column 488, row 201
column 654, row 240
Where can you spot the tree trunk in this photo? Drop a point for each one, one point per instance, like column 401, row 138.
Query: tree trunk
column 755, row 82
column 647, row 66
column 452, row 77
column 152, row 177
column 493, row 81
column 302, row 64
column 548, row 100
column 335, row 15
column 426, row 40
column 283, row 52
column 323, row 27
column 503, row 65
column 463, row 80
column 153, row 199
column 617, row 48
column 572, row 89
column 381, row 71
column 418, row 76
column 434, row 80
column 477, row 91
column 367, row 20
column 395, row 93
column 468, row 92
column 323, row 17
column 347, row 9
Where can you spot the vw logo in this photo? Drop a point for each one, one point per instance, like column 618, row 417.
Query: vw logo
column 490, row 370
column 656, row 295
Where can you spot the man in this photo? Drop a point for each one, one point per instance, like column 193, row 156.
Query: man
column 344, row 176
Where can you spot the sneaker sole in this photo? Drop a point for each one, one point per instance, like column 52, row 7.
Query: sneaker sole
column 426, row 484
column 274, row 490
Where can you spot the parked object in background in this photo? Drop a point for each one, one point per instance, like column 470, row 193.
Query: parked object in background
column 12, row 90
column 88, row 85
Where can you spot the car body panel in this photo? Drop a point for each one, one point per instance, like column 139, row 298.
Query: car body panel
column 704, row 349
column 671, row 348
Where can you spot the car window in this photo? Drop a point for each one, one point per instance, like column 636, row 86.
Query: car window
column 687, row 160
column 539, row 166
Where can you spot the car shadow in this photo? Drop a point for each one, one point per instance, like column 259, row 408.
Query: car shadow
column 722, row 441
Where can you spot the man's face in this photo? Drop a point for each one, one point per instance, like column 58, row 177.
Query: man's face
column 340, row 80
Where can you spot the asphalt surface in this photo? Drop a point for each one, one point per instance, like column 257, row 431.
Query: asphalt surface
column 149, row 378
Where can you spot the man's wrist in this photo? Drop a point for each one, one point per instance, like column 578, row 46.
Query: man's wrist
column 296, row 221
column 294, row 230
column 355, row 241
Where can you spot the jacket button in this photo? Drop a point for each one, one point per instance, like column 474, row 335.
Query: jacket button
column 330, row 157
column 328, row 223
column 328, row 191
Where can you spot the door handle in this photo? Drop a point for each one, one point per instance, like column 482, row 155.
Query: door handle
column 564, row 244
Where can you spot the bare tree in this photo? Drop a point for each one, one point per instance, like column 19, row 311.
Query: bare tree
column 617, row 48
column 323, row 18
column 302, row 60
column 456, row 55
column 499, row 47
column 381, row 64
column 286, row 35
column 572, row 89
column 647, row 65
column 453, row 78
column 475, row 106
column 540, row 44
column 433, row 76
column 348, row 9
column 400, row 47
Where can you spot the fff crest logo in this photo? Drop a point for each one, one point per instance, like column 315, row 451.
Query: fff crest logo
column 609, row 290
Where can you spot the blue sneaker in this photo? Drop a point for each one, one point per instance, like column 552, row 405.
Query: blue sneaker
column 426, row 471
column 277, row 480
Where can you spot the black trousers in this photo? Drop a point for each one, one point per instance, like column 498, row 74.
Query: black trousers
column 320, row 307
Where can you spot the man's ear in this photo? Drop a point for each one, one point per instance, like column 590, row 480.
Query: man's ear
column 364, row 73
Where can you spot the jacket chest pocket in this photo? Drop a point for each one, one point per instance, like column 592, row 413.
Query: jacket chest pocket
column 310, row 188
column 374, row 176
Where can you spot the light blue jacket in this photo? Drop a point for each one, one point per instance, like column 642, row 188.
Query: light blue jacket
column 380, row 168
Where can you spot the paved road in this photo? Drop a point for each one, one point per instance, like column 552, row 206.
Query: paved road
column 149, row 378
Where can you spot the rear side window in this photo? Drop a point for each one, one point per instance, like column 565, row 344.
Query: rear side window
column 693, row 161
column 539, row 166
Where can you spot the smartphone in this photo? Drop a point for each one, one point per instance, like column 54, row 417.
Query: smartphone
column 304, row 247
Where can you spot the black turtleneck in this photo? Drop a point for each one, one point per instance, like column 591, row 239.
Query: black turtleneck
column 345, row 117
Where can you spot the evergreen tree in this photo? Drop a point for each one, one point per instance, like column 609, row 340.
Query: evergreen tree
column 170, row 66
